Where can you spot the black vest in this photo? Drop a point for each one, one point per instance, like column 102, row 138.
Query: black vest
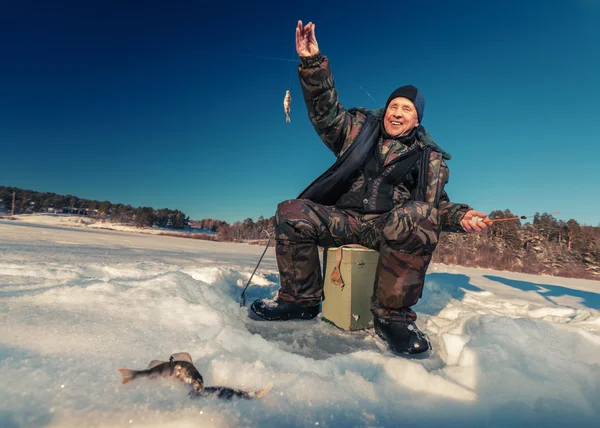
column 376, row 195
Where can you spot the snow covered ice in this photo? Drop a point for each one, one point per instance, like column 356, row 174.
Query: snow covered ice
column 77, row 304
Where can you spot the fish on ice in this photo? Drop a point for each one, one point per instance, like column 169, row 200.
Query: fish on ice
column 180, row 366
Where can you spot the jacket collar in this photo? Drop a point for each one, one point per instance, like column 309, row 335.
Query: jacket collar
column 423, row 137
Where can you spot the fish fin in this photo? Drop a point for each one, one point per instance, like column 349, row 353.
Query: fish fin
column 182, row 356
column 155, row 363
column 127, row 375
column 262, row 392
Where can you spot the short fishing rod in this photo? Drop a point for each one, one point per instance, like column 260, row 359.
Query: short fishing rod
column 494, row 220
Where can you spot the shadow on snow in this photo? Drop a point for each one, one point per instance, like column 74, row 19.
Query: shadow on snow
column 547, row 291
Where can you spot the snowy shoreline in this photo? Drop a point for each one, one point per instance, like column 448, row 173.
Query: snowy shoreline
column 70, row 220
column 76, row 304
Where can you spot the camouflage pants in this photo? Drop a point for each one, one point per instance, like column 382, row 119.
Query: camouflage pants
column 405, row 238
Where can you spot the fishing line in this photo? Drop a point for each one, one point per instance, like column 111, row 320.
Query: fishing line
column 274, row 58
column 365, row 91
column 297, row 60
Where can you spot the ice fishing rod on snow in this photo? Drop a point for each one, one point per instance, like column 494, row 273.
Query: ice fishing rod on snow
column 243, row 296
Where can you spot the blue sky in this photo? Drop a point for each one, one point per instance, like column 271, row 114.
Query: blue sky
column 172, row 105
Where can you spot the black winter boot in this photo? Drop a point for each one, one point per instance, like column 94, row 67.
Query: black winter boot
column 280, row 310
column 401, row 336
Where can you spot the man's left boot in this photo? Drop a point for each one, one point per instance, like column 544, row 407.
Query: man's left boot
column 403, row 337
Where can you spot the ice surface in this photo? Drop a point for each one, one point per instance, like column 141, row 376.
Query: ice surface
column 77, row 304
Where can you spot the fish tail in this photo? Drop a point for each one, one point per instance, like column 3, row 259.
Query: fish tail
column 262, row 392
column 127, row 375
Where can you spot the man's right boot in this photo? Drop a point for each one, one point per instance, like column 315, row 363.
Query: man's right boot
column 280, row 310
column 403, row 337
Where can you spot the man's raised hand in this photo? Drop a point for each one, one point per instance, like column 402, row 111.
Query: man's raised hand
column 306, row 42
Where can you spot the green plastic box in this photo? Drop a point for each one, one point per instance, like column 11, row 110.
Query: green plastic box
column 349, row 307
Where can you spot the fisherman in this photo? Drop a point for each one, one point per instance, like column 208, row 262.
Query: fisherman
column 385, row 192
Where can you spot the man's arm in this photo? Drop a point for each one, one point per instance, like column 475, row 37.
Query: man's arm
column 330, row 119
column 333, row 123
column 451, row 214
column 454, row 217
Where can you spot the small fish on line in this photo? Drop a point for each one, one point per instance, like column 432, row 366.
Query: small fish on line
column 181, row 366
column 287, row 102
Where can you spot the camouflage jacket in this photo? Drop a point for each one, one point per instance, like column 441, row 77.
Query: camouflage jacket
column 339, row 129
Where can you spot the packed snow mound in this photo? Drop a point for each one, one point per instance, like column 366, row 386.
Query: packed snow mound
column 509, row 350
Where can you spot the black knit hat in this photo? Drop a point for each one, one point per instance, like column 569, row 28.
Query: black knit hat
column 413, row 94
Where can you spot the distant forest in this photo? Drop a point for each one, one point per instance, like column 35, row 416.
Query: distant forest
column 543, row 245
column 29, row 202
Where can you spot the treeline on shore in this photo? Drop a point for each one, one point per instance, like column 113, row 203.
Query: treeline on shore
column 543, row 246
column 32, row 202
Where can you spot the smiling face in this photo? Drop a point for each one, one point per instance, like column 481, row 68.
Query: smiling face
column 400, row 117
